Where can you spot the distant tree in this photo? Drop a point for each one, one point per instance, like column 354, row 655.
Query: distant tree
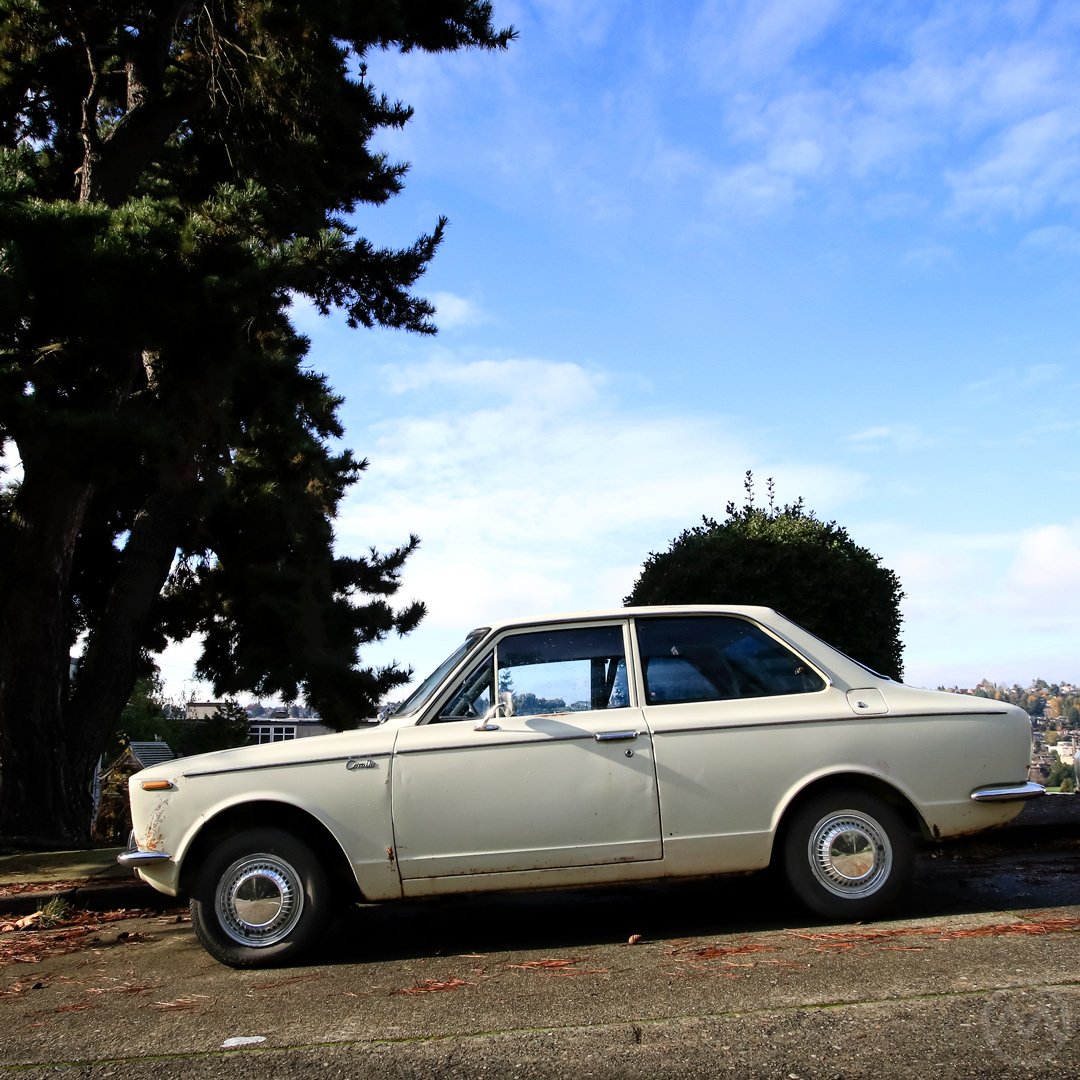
column 223, row 729
column 147, row 716
column 529, row 704
column 788, row 559
column 1061, row 774
column 1073, row 716
column 172, row 175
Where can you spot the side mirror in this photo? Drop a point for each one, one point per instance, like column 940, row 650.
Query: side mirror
column 503, row 707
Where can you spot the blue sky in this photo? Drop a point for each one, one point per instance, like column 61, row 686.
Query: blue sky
column 834, row 243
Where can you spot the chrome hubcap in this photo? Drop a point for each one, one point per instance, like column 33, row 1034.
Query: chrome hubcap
column 850, row 854
column 259, row 900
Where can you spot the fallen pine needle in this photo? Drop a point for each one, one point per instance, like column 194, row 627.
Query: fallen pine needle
column 432, row 986
column 286, row 982
column 563, row 974
column 531, row 965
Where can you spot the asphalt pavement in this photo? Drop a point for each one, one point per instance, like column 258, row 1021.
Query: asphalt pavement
column 976, row 974
column 94, row 880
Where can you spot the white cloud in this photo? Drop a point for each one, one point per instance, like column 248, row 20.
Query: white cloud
column 1044, row 578
column 528, row 381
column 760, row 38
column 588, row 22
column 1002, row 605
column 1009, row 383
column 1035, row 162
column 799, row 157
column 753, row 188
column 1053, row 240
column 930, row 256
column 177, row 663
column 899, row 436
column 535, row 487
column 974, row 105
column 453, row 311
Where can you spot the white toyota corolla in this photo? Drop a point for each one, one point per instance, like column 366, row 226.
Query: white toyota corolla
column 599, row 747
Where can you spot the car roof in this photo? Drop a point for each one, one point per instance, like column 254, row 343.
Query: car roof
column 840, row 668
column 764, row 614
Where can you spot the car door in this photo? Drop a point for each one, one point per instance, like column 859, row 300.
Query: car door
column 562, row 777
column 737, row 719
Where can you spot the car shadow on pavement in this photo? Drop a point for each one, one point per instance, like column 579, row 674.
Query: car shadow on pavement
column 950, row 879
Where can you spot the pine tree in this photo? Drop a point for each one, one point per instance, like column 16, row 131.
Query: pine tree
column 170, row 175
column 788, row 559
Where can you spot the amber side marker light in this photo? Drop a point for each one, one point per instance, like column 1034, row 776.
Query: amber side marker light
column 156, row 785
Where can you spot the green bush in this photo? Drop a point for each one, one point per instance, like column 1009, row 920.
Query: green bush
column 788, row 559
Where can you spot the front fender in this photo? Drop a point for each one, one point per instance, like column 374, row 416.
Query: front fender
column 353, row 805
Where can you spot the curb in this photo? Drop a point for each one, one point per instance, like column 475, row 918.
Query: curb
column 90, row 898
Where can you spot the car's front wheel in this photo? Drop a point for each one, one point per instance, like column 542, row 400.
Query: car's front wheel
column 847, row 854
column 261, row 899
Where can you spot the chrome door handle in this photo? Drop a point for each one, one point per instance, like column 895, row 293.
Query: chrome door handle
column 616, row 736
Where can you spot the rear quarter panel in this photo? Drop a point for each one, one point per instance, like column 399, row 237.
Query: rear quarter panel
column 727, row 771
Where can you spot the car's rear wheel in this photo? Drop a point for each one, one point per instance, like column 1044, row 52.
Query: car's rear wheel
column 847, row 854
column 261, row 899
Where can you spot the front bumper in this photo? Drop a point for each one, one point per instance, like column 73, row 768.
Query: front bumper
column 1005, row 792
column 133, row 857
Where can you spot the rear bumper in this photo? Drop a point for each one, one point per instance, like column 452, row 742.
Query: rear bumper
column 1004, row 792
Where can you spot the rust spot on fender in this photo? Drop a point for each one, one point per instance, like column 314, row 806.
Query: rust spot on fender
column 390, row 853
column 937, row 833
column 151, row 840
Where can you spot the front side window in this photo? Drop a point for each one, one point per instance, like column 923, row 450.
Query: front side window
column 474, row 694
column 717, row 658
column 561, row 671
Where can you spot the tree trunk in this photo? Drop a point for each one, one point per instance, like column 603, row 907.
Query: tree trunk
column 110, row 665
column 45, row 791
column 50, row 741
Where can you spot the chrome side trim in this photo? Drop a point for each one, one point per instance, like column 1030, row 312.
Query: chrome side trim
column 286, row 764
column 1013, row 791
column 133, row 858
column 877, row 717
column 493, row 744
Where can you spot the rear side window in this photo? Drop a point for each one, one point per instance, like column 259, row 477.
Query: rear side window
column 717, row 658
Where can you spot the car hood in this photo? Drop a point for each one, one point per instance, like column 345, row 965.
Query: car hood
column 372, row 739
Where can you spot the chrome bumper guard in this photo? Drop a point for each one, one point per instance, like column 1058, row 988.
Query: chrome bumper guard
column 1013, row 791
column 133, row 856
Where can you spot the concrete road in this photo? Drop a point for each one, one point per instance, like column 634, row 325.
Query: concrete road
column 977, row 974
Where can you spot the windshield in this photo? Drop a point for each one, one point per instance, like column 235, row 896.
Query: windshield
column 422, row 694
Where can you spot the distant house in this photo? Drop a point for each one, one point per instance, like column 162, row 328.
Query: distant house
column 1065, row 750
column 203, row 710
column 112, row 814
column 264, row 729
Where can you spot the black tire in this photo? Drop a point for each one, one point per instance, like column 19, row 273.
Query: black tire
column 847, row 854
column 261, row 899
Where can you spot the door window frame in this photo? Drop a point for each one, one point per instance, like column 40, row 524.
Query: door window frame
column 640, row 669
column 491, row 644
